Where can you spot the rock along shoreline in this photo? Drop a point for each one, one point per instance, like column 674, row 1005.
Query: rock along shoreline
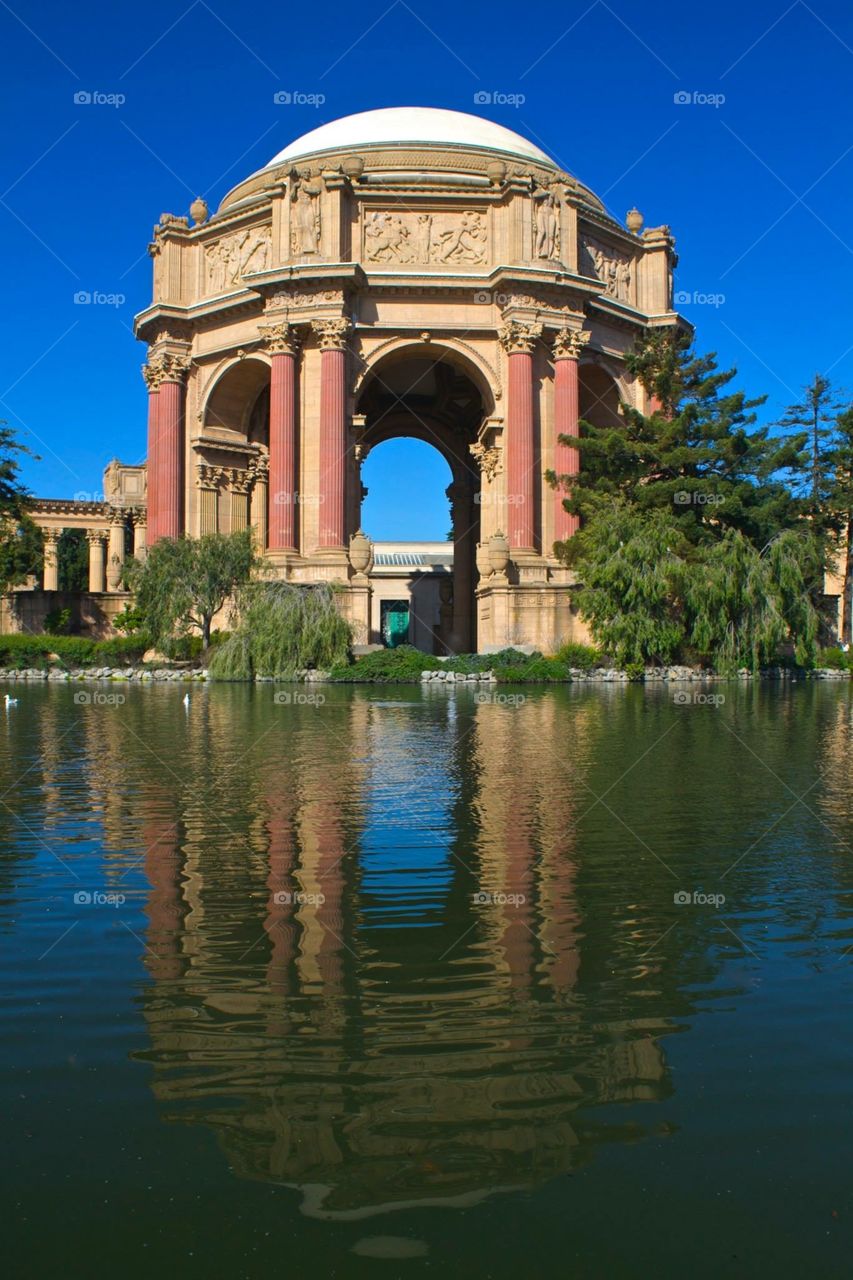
column 599, row 675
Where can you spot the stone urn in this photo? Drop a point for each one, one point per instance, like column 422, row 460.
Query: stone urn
column 498, row 552
column 360, row 551
column 496, row 171
column 199, row 211
column 353, row 167
column 634, row 221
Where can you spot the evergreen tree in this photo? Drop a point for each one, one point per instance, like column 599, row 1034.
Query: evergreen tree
column 839, row 506
column 813, row 420
column 698, row 455
column 21, row 548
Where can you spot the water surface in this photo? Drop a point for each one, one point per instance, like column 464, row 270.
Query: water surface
column 402, row 981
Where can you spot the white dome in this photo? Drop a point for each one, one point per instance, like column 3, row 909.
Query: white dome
column 408, row 125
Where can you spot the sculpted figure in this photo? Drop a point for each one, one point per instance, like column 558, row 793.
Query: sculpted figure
column 386, row 236
column 306, row 231
column 546, row 225
column 466, row 241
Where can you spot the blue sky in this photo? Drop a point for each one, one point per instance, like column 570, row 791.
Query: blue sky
column 757, row 188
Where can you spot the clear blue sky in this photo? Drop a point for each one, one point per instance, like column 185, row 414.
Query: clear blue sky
column 757, row 189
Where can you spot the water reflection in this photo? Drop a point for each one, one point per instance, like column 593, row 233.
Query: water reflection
column 397, row 946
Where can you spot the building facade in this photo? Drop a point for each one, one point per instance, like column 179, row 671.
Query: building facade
column 405, row 272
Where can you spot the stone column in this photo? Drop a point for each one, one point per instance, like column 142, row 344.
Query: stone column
column 239, row 500
column 115, row 562
column 521, row 470
column 567, row 348
column 333, row 431
column 259, row 501
column 208, row 480
column 461, row 495
column 166, row 450
column 51, row 562
column 140, row 533
column 95, row 539
column 283, row 344
column 151, row 372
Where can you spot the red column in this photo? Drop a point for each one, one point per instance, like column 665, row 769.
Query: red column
column 283, row 476
column 567, row 348
column 166, row 450
column 152, row 381
column 519, row 339
column 333, row 432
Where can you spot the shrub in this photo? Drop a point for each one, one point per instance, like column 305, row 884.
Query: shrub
column 58, row 622
column 130, row 620
column 835, row 658
column 402, row 665
column 24, row 650
column 72, row 651
column 581, row 656
column 535, row 670
column 182, row 648
column 122, row 650
column 635, row 671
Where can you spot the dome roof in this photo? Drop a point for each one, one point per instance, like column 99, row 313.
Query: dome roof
column 405, row 126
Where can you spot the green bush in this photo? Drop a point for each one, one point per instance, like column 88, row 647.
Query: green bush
column 581, row 656
column 122, row 650
column 635, row 671
column 58, row 622
column 24, row 650
column 182, row 648
column 130, row 620
column 402, row 665
column 835, row 658
column 72, row 651
column 535, row 670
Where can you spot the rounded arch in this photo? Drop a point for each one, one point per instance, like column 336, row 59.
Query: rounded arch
column 466, row 358
column 233, row 393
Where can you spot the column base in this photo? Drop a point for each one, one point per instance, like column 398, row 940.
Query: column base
column 530, row 611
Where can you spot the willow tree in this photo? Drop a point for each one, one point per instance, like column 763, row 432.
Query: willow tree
column 21, row 541
column 183, row 583
column 283, row 628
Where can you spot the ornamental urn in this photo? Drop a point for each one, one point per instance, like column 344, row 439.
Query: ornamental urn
column 360, row 551
column 199, row 211
column 498, row 553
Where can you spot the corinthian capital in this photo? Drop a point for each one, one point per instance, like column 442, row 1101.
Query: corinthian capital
column 175, row 367
column 153, row 375
column 515, row 336
column 332, row 334
column 280, row 339
column 569, row 343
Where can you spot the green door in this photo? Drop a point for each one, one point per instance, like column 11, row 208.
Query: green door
column 395, row 623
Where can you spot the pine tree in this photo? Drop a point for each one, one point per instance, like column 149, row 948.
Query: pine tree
column 813, row 420
column 698, row 455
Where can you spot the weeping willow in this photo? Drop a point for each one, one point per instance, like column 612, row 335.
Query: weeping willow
column 283, row 629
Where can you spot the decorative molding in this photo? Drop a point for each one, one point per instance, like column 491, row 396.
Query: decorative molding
column 281, row 339
column 488, row 459
column 517, row 337
column 332, row 334
column 568, row 343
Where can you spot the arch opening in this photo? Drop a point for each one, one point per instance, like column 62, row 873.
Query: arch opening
column 430, row 397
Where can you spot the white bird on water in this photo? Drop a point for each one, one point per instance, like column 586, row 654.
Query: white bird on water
column 10, row 702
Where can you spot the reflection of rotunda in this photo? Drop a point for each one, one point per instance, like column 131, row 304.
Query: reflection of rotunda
column 404, row 272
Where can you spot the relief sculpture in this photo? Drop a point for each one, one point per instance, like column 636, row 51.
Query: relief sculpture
column 228, row 259
column 426, row 238
column 613, row 270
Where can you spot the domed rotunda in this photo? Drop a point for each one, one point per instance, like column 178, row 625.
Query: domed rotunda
column 398, row 273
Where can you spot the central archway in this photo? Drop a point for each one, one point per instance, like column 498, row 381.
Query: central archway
column 427, row 393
